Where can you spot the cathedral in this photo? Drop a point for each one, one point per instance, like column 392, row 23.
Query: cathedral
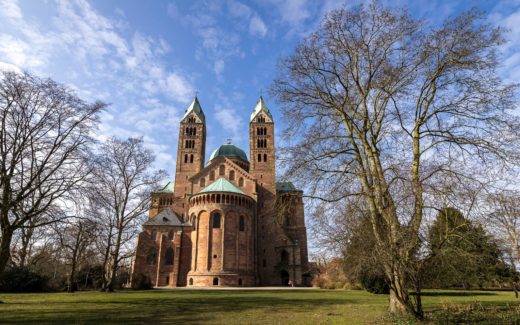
column 225, row 222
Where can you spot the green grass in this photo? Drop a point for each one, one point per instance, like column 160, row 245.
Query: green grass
column 249, row 307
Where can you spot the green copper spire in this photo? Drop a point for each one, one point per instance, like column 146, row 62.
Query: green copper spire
column 195, row 107
column 260, row 107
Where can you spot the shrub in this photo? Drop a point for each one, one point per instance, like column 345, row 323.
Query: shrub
column 141, row 282
column 374, row 282
column 21, row 279
column 476, row 313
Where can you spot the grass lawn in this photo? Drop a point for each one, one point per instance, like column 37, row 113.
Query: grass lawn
column 248, row 307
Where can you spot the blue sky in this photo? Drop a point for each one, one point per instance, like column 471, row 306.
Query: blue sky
column 149, row 58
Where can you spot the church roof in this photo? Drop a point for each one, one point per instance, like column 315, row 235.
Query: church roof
column 195, row 107
column 260, row 107
column 165, row 218
column 228, row 150
column 285, row 187
column 221, row 185
column 168, row 188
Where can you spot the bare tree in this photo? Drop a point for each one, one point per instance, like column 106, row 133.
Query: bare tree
column 505, row 220
column 503, row 216
column 44, row 136
column 120, row 194
column 75, row 235
column 383, row 107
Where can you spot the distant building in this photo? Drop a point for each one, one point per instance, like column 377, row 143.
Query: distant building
column 227, row 222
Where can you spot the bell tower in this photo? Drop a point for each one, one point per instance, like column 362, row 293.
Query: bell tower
column 262, row 168
column 191, row 148
column 261, row 144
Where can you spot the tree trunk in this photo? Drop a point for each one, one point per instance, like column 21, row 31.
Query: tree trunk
column 5, row 247
column 105, row 261
column 27, row 234
column 73, row 264
column 396, row 301
column 399, row 299
column 113, row 271
column 72, row 273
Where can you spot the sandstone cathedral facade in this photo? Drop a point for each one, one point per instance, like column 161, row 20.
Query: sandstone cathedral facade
column 226, row 222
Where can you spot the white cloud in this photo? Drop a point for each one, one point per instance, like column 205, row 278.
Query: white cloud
column 220, row 43
column 178, row 87
column 218, row 67
column 239, row 10
column 172, row 10
column 9, row 67
column 293, row 12
column 10, row 9
column 257, row 27
column 230, row 122
column 503, row 16
column 90, row 53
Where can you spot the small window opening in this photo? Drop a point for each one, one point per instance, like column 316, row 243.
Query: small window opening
column 215, row 281
column 241, row 224
column 168, row 258
column 191, row 281
column 216, row 220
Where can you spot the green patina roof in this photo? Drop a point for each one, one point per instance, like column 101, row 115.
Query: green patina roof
column 260, row 107
column 221, row 185
column 228, row 150
column 285, row 187
column 195, row 107
column 168, row 188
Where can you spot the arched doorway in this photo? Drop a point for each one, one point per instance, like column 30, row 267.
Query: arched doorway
column 284, row 275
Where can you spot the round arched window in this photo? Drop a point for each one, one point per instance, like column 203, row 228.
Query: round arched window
column 216, row 220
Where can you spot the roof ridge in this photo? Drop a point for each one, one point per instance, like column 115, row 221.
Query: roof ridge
column 226, row 160
column 221, row 185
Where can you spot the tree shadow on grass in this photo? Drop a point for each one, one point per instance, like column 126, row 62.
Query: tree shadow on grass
column 187, row 307
column 456, row 293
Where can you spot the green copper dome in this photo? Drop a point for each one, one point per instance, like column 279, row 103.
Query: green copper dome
column 229, row 150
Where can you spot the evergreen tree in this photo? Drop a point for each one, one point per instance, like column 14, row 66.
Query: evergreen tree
column 463, row 254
